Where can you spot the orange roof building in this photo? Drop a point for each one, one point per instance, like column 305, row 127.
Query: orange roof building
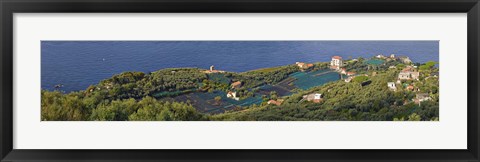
column 410, row 88
column 236, row 84
column 278, row 103
column 304, row 65
column 337, row 57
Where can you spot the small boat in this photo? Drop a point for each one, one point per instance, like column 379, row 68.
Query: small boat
column 58, row 86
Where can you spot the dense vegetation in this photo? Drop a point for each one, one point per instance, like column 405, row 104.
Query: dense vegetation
column 126, row 97
column 273, row 75
column 138, row 96
column 346, row 101
column 78, row 107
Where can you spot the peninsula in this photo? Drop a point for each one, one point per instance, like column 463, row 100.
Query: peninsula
column 380, row 88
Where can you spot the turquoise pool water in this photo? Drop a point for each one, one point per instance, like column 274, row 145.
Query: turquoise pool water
column 307, row 80
column 375, row 62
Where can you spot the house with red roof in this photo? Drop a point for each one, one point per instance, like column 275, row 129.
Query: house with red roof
column 236, row 84
column 275, row 102
column 303, row 65
column 336, row 63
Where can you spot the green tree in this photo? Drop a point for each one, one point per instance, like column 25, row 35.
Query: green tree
column 400, row 66
column 414, row 117
column 360, row 79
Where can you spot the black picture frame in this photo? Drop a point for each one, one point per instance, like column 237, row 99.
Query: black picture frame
column 8, row 7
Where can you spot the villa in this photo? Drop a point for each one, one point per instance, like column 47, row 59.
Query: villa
column 404, row 76
column 336, row 62
column 409, row 73
column 315, row 97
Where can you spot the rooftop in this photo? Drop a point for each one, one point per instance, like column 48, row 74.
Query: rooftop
column 237, row 83
column 336, row 57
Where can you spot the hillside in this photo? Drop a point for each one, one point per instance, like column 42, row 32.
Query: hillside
column 302, row 91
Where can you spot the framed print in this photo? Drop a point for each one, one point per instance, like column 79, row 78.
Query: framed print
column 239, row 80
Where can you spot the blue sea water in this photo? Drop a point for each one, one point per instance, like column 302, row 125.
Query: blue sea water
column 78, row 64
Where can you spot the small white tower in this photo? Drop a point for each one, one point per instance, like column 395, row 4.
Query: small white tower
column 212, row 68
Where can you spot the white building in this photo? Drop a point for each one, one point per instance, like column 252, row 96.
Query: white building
column 408, row 75
column 233, row 95
column 212, row 70
column 415, row 75
column 275, row 102
column 422, row 97
column 336, row 62
column 380, row 56
column 315, row 97
column 404, row 76
column 392, row 86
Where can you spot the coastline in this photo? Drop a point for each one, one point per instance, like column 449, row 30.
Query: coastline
column 215, row 94
column 78, row 64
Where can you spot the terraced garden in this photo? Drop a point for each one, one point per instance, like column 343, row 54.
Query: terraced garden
column 205, row 101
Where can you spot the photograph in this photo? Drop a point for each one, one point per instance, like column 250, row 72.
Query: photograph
column 250, row 81
column 238, row 80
